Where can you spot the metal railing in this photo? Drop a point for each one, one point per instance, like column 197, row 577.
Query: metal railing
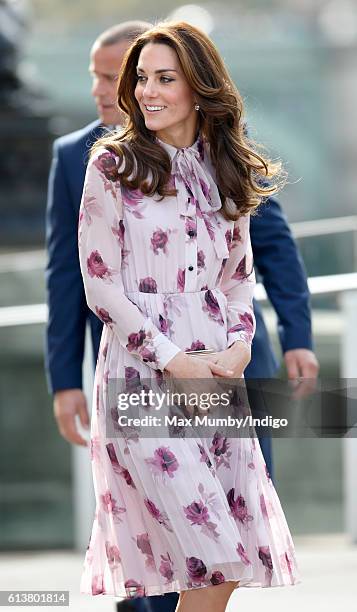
column 36, row 259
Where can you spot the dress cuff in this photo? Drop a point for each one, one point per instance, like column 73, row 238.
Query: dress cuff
column 165, row 350
column 241, row 336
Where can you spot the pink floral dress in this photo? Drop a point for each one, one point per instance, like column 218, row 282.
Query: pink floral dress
column 163, row 276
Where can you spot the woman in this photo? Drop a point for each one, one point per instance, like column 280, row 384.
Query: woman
column 167, row 265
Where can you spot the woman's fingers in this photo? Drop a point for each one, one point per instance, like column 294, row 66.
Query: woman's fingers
column 221, row 370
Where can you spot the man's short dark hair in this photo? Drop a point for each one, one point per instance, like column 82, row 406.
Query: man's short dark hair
column 126, row 31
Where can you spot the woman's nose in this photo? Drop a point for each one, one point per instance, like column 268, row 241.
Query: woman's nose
column 150, row 89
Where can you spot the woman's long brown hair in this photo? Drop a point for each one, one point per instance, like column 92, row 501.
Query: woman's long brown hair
column 242, row 174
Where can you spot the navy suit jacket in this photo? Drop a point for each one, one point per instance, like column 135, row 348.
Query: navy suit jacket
column 276, row 257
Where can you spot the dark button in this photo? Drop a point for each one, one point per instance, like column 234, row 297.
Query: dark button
column 191, row 233
column 190, row 268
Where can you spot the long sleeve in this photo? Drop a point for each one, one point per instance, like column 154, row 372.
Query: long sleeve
column 101, row 240
column 237, row 283
column 67, row 315
column 278, row 262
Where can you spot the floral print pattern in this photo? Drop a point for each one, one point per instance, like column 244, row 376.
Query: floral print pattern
column 160, row 517
column 238, row 508
column 97, row 267
column 164, row 462
column 166, row 276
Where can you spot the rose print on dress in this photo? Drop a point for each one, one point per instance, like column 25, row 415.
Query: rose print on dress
column 133, row 202
column 109, row 505
column 217, row 578
column 148, row 285
column 132, row 378
column 190, row 229
column 196, row 571
column 113, row 555
column 118, row 469
column 197, row 513
column 220, row 273
column 208, row 223
column 239, row 509
column 237, row 238
column 118, row 230
column 98, row 268
column 266, row 507
column 135, row 340
column 211, row 500
column 233, row 238
column 104, row 316
column 212, row 307
column 164, row 462
column 134, row 589
column 220, row 450
column 108, row 171
column 245, row 325
column 166, row 567
column 196, row 345
column 241, row 270
column 181, row 279
column 228, row 236
column 141, row 342
column 286, row 563
column 148, row 355
column 98, row 585
column 201, row 260
column 243, row 554
column 160, row 517
column 90, row 208
column 107, row 166
column 165, row 325
column 265, row 557
column 159, row 241
column 204, row 456
column 143, row 544
column 205, row 189
column 200, row 149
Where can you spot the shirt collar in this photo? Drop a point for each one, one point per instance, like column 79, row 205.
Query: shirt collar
column 196, row 148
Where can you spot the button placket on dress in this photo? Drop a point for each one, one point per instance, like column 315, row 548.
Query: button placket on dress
column 190, row 253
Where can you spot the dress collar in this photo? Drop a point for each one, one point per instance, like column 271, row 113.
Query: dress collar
column 197, row 191
column 195, row 149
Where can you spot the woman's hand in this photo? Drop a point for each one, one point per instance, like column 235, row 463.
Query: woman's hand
column 236, row 358
column 196, row 377
column 187, row 366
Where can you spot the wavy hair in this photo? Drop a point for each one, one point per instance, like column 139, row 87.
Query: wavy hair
column 243, row 175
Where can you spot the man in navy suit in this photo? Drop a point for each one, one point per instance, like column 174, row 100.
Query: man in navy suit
column 276, row 259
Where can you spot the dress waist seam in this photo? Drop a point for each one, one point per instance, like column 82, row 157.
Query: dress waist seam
column 168, row 293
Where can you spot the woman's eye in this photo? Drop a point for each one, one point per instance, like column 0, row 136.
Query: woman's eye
column 140, row 78
column 166, row 79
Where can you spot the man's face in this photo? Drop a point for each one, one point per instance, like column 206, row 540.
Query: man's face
column 105, row 63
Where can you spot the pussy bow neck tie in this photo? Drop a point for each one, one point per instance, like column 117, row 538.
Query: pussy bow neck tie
column 197, row 192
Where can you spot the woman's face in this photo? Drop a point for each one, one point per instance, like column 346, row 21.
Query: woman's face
column 164, row 96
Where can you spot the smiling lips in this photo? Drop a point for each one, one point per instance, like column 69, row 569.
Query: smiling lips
column 154, row 109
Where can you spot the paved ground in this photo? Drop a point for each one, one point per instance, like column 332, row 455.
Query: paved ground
column 328, row 566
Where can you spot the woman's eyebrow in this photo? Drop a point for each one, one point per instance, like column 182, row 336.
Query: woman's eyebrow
column 158, row 71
